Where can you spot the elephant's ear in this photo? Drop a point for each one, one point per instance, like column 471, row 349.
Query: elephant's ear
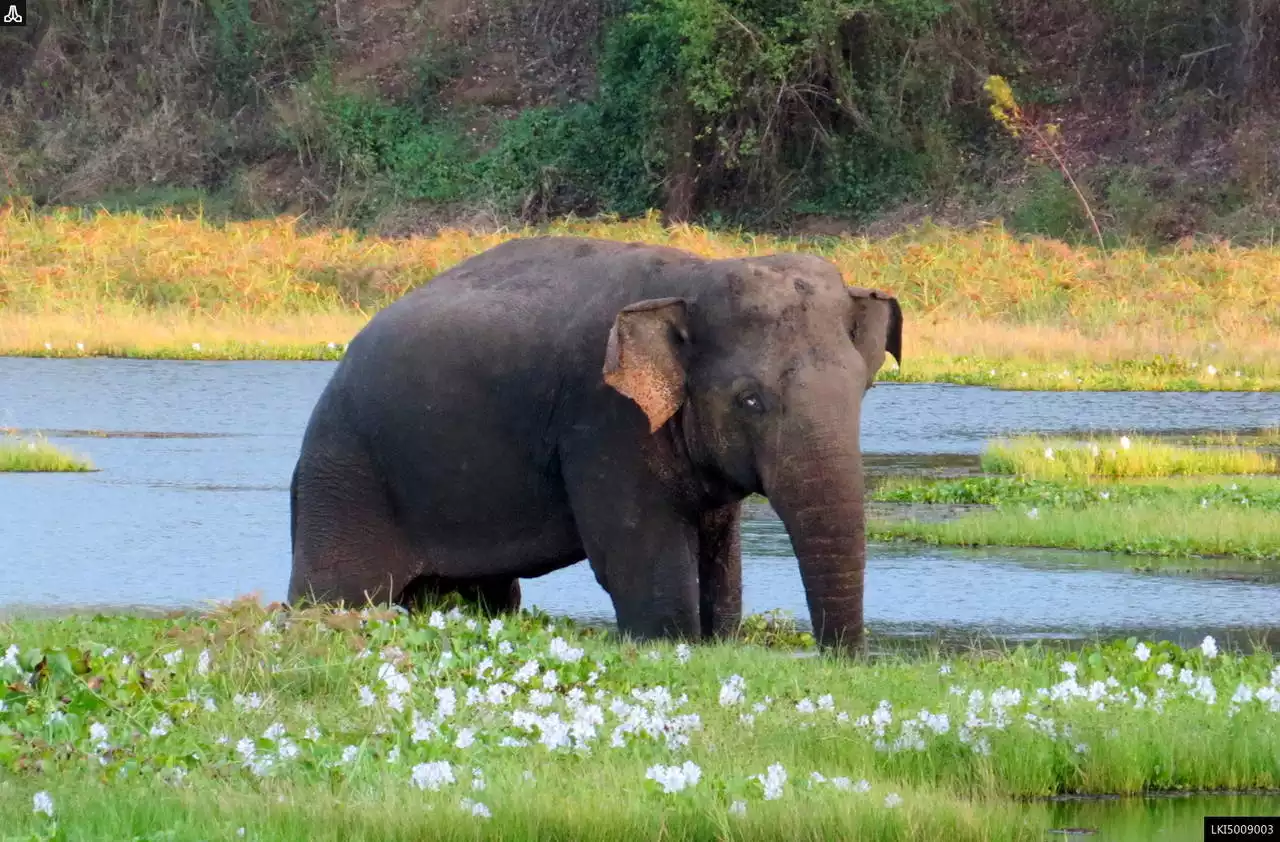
column 877, row 328
column 642, row 360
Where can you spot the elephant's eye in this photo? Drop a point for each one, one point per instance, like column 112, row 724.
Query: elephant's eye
column 750, row 401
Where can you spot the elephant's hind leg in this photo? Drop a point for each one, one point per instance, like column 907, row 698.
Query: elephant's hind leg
column 347, row 544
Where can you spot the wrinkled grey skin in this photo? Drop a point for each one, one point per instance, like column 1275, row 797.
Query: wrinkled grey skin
column 555, row 399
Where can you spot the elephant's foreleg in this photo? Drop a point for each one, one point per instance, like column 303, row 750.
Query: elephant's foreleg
column 720, row 571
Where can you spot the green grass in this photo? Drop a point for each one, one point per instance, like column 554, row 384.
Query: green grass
column 132, row 742
column 1265, row 437
column 1174, row 518
column 1254, row 493
column 1170, row 531
column 1121, row 457
column 981, row 308
column 38, row 456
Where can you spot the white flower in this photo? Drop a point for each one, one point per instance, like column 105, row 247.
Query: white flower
column 432, row 775
column 1125, row 443
column 526, row 672
column 79, row 346
column 436, row 620
column 477, row 809
column 732, row 691
column 505, row 647
column 394, row 681
column 99, row 734
column 1105, row 495
column 892, row 800
column 162, row 726
column 173, row 658
column 246, row 749
column 477, row 780
column 202, row 663
column 1210, row 370
column 945, row 669
column 1048, row 453
column 561, row 650
column 550, row 680
column 738, row 808
column 423, row 729
column 195, row 346
column 773, row 781
column 826, row 702
column 42, row 802
column 471, row 625
column 1141, row 652
column 446, row 702
column 1209, row 647
column 862, row 786
column 675, row 778
column 1034, row 513
column 495, row 627
column 466, row 738
column 1165, row 671
column 349, row 754
column 312, row 733
column 683, row 653
column 250, row 702
column 367, row 698
column 805, row 706
column 10, row 658
column 1069, row 668
column 274, row 731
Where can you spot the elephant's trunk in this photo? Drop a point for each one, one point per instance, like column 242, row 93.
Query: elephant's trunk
column 817, row 489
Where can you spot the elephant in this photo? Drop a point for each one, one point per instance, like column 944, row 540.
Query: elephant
column 557, row 398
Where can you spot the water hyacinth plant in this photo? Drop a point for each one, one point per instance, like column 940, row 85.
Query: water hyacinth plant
column 332, row 724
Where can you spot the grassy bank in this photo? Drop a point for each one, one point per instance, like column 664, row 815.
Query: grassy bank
column 982, row 308
column 35, row 455
column 1128, row 495
column 1119, row 458
column 331, row 725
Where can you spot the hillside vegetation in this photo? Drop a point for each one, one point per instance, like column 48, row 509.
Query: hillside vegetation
column 818, row 116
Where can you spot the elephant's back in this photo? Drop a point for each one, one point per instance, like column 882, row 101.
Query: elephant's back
column 538, row 294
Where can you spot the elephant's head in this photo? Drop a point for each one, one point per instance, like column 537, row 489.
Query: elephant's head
column 767, row 368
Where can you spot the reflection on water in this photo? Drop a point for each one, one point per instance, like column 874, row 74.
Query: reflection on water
column 1166, row 818
column 175, row 520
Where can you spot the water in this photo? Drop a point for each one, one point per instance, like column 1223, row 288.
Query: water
column 1167, row 818
column 202, row 512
